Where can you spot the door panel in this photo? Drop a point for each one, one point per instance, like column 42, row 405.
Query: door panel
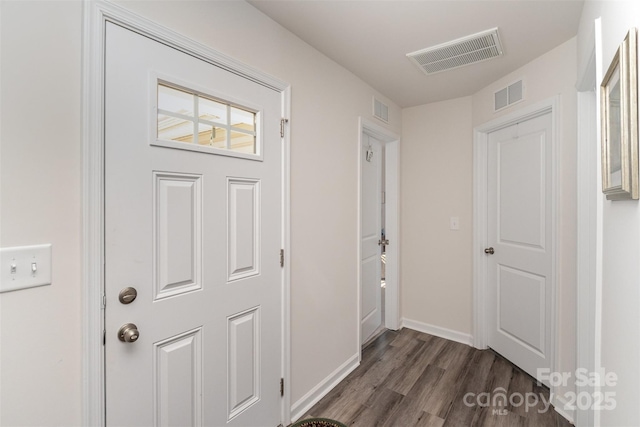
column 190, row 229
column 520, row 270
column 521, row 295
column 370, row 264
column 178, row 380
column 177, row 230
column 243, row 378
column 244, row 228
column 521, row 191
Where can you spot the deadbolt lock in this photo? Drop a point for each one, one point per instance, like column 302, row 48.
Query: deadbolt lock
column 128, row 333
column 127, row 295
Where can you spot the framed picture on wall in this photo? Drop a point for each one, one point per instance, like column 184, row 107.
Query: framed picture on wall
column 619, row 122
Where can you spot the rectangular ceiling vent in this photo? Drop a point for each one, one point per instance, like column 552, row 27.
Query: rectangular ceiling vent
column 508, row 96
column 458, row 53
column 380, row 110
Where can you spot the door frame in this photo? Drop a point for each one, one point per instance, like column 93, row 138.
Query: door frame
column 96, row 15
column 392, row 223
column 589, row 225
column 480, row 219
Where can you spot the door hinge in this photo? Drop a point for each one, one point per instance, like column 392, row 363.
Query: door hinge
column 281, row 386
column 104, row 337
column 104, row 301
column 282, row 123
column 281, row 257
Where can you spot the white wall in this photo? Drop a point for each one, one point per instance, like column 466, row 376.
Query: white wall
column 436, row 175
column 40, row 328
column 41, row 189
column 620, row 351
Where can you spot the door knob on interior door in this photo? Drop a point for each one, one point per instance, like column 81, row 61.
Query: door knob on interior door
column 489, row 251
column 128, row 333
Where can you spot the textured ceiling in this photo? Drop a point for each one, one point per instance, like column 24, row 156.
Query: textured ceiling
column 371, row 38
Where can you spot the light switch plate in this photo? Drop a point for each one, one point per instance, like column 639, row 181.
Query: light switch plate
column 25, row 267
column 454, row 223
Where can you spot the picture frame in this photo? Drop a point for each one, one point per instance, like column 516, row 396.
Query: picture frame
column 619, row 122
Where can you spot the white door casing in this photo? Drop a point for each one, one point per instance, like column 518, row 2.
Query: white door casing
column 589, row 227
column 392, row 223
column 520, row 272
column 370, row 223
column 198, row 235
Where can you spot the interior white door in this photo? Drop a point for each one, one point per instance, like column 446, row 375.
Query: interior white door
column 370, row 264
column 520, row 233
column 197, row 232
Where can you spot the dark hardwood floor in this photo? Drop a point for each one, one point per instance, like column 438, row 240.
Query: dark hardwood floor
column 410, row 379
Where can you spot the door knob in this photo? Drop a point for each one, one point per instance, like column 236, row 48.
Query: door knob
column 384, row 242
column 489, row 251
column 128, row 333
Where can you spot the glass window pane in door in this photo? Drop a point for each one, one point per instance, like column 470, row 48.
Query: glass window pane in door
column 242, row 119
column 174, row 129
column 212, row 136
column 174, row 100
column 212, row 111
column 243, row 142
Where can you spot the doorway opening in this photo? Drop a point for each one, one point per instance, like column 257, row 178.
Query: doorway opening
column 378, row 243
column 100, row 15
column 489, row 316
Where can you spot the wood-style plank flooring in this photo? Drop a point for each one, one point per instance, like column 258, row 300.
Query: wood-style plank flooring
column 410, row 379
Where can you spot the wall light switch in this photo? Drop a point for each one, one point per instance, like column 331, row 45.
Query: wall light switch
column 25, row 267
column 454, row 223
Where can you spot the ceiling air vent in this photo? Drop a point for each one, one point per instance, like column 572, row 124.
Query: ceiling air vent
column 458, row 53
column 508, row 96
column 380, row 110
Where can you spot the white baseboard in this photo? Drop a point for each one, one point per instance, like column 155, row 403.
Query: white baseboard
column 438, row 331
column 307, row 401
column 559, row 404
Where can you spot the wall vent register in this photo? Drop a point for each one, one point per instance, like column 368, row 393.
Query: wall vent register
column 380, row 110
column 192, row 118
column 508, row 96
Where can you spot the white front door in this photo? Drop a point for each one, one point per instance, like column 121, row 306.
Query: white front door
column 193, row 212
column 520, row 233
column 370, row 223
